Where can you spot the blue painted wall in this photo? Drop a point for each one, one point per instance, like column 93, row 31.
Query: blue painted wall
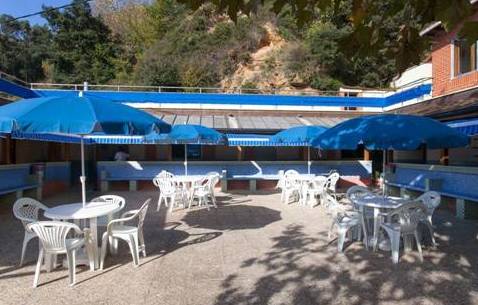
column 248, row 99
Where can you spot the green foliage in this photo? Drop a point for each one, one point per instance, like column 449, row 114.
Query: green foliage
column 84, row 49
column 325, row 83
column 368, row 21
column 349, row 42
column 198, row 49
column 23, row 48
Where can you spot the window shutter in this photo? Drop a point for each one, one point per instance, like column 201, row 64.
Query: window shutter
column 473, row 57
column 456, row 59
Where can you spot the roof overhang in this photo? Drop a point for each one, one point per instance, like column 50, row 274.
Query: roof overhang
column 432, row 27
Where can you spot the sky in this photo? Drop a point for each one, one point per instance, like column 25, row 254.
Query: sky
column 17, row 8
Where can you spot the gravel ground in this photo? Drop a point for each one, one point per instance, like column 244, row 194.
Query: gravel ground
column 251, row 250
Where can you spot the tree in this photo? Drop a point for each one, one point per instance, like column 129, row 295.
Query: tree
column 83, row 48
column 23, row 48
column 368, row 19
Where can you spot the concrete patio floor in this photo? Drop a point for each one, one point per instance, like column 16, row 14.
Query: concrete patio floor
column 251, row 250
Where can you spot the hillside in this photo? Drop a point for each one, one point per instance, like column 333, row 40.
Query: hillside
column 164, row 43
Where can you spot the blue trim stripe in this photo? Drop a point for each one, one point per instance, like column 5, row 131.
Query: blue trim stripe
column 247, row 99
column 16, row 90
column 468, row 127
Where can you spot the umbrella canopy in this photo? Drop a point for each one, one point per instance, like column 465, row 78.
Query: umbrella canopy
column 189, row 134
column 77, row 115
column 390, row 131
column 298, row 134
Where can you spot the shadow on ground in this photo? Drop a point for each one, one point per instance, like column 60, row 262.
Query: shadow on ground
column 305, row 269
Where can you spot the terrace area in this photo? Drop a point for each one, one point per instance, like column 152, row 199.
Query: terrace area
column 252, row 249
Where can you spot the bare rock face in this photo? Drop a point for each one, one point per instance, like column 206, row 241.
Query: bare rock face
column 264, row 72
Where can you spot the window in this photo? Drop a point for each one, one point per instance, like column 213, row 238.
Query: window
column 194, row 152
column 464, row 57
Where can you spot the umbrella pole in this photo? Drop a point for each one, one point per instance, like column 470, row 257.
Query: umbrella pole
column 308, row 160
column 186, row 159
column 384, row 171
column 83, row 177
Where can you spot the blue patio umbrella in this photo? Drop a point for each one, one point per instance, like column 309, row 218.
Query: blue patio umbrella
column 299, row 136
column 189, row 134
column 390, row 132
column 76, row 116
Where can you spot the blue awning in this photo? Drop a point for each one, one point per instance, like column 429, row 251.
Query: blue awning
column 75, row 139
column 468, row 127
column 233, row 139
column 258, row 140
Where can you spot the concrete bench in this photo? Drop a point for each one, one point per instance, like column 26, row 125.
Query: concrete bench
column 251, row 171
column 17, row 179
column 460, row 199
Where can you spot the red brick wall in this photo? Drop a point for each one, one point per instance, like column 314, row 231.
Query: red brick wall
column 443, row 81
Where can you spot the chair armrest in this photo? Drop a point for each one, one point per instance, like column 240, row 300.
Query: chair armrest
column 122, row 219
column 128, row 213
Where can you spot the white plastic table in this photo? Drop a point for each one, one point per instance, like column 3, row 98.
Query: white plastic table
column 91, row 211
column 378, row 202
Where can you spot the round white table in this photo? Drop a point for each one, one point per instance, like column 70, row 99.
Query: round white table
column 377, row 203
column 91, row 211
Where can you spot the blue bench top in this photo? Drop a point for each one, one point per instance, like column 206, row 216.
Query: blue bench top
column 246, row 170
column 17, row 188
column 447, row 194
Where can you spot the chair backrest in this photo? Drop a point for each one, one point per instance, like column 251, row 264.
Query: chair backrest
column 431, row 200
column 332, row 180
column 290, row 172
column 164, row 181
column 26, row 209
column 214, row 180
column 142, row 213
column 213, row 174
column 163, row 175
column 409, row 215
column 319, row 182
column 53, row 234
column 111, row 199
column 332, row 205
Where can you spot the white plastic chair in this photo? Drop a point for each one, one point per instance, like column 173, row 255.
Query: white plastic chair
column 314, row 190
column 133, row 235
column 54, row 240
column 366, row 214
column 431, row 200
column 215, row 177
column 331, row 184
column 103, row 221
column 403, row 222
column 26, row 210
column 344, row 220
column 291, row 186
column 168, row 189
column 202, row 191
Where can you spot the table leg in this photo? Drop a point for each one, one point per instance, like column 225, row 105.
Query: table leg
column 364, row 226
column 376, row 230
column 94, row 240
